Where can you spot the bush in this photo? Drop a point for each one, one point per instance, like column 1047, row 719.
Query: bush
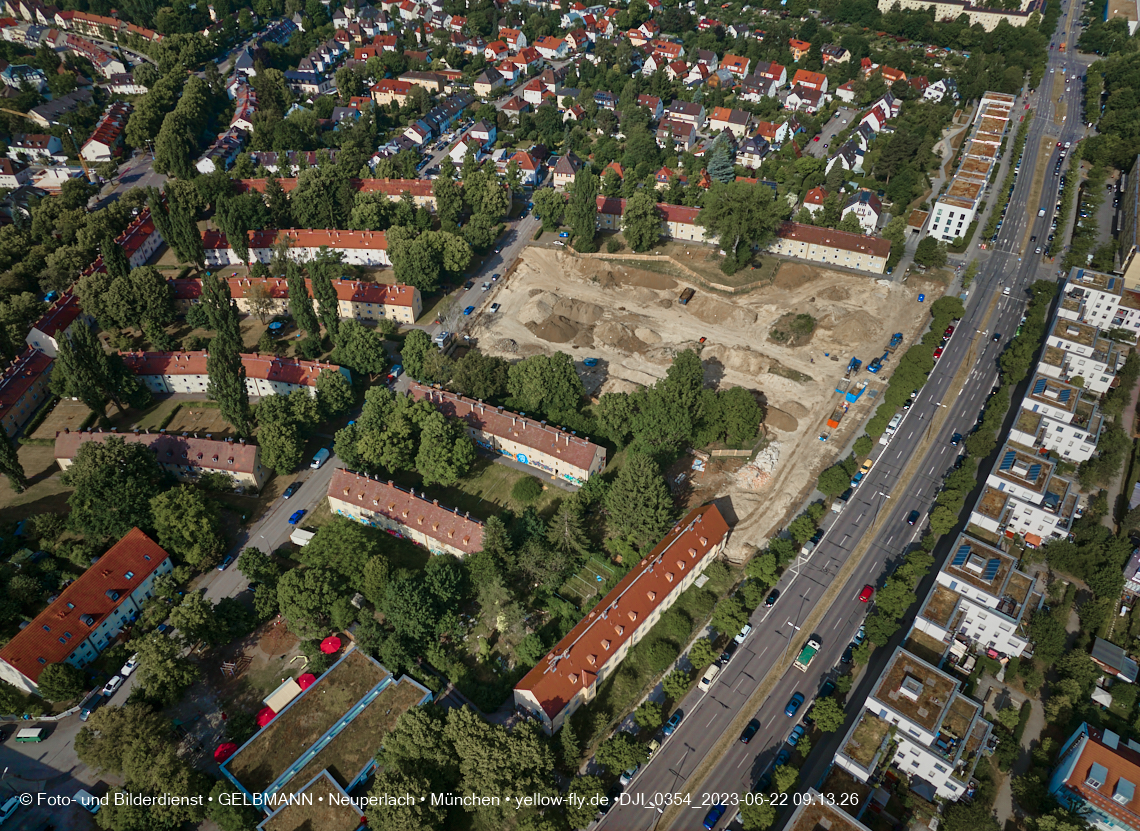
column 309, row 348
column 863, row 446
column 613, row 245
column 526, row 490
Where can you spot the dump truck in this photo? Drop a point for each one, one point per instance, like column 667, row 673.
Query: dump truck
column 835, row 418
column 806, row 654
column 896, row 341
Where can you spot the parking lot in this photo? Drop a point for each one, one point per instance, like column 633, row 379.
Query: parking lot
column 826, row 145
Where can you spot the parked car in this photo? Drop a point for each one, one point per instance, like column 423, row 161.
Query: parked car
column 794, row 704
column 796, row 734
column 673, row 723
column 226, row 563
column 729, row 651
column 295, row 517
column 130, row 666
column 495, row 307
column 713, row 817
column 938, row 353
column 771, row 599
column 467, row 312
column 750, row 731
column 847, row 654
column 627, row 775
column 292, row 489
column 782, row 757
column 956, row 439
column 112, row 685
column 744, row 633
column 867, row 593
column 829, row 686
column 860, row 636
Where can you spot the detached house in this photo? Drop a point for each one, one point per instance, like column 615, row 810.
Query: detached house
column 834, row 54
column 814, row 198
column 735, row 121
column 551, row 48
column 514, row 38
column 845, row 92
column 653, row 104
column 867, row 207
column 737, row 65
column 799, row 48
column 690, row 113
column 684, row 134
column 805, row 99
column 849, row 157
column 565, row 170
column 751, row 151
column 489, row 80
column 811, row 80
column 529, row 168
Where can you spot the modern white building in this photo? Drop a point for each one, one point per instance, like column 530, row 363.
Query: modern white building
column 916, row 720
column 1077, row 350
column 1055, row 416
column 87, row 616
column 1025, row 495
column 1092, row 298
column 957, row 206
column 980, row 598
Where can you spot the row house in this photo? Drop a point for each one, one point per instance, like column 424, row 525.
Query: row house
column 185, row 457
column 404, row 514
column 56, row 323
column 1025, row 495
column 573, row 671
column 1095, row 298
column 220, row 155
column 1055, row 417
column 165, row 373
column 677, row 221
column 105, row 63
column 245, row 105
column 980, row 602
column 356, row 300
column 106, row 140
column 688, row 112
column 831, row 247
column 367, row 248
column 736, row 122
column 388, row 90
column 88, row 615
column 288, row 162
column 553, row 450
column 23, row 388
column 937, row 733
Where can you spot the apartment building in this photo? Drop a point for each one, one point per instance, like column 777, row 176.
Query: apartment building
column 363, row 302
column 957, row 206
column 56, row 322
column 185, row 457
column 980, row 599
column 368, row 248
column 23, row 388
column 917, row 720
column 1127, row 263
column 558, row 452
column 569, row 675
column 1096, row 775
column 837, row 248
column 405, row 513
column 185, row 372
column 87, row 616
column 988, row 15
column 40, row 147
column 1025, row 495
column 1054, row 416
column 1077, row 350
column 1093, row 298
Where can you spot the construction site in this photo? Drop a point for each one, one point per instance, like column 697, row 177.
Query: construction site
column 622, row 324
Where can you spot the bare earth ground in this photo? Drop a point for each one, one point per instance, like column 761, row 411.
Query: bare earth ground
column 629, row 319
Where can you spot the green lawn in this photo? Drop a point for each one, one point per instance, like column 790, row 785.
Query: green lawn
column 485, row 491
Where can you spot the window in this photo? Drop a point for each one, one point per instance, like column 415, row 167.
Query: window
column 129, row 575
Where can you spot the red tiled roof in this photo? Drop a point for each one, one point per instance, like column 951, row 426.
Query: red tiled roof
column 136, row 553
column 393, row 187
column 815, row 80
column 575, row 451
column 20, row 375
column 815, row 196
column 856, row 243
column 60, row 315
column 1121, row 763
column 801, row 45
column 352, row 290
column 614, row 205
column 262, row 367
column 734, row 63
column 303, row 238
column 574, row 662
column 170, row 449
column 419, row 513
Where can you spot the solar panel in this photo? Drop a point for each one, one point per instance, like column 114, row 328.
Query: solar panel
column 991, row 569
column 1039, row 386
column 1034, row 472
column 1064, row 396
column 1007, row 460
column 962, row 555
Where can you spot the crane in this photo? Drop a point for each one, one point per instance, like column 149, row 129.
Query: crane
column 82, row 161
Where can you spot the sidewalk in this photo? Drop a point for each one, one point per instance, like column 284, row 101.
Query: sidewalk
column 1127, row 419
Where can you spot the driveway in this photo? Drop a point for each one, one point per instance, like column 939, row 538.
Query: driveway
column 826, row 145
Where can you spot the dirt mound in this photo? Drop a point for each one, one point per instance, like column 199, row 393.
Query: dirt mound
column 613, row 279
column 796, row 409
column 716, row 312
column 578, row 311
column 620, row 337
column 849, row 328
column 836, row 293
column 780, row 420
column 737, row 359
column 556, row 329
column 505, row 345
column 647, row 335
column 793, row 275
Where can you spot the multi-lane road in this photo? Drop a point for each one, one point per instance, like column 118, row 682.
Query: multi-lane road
column 878, row 506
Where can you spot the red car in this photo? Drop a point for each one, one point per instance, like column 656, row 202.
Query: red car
column 867, row 593
column 938, row 353
column 949, row 331
column 817, row 139
column 1058, row 144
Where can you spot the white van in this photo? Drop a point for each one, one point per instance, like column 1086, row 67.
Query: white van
column 1005, row 292
column 890, row 431
column 320, row 458
column 708, row 677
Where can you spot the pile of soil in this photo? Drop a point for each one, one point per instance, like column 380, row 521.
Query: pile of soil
column 620, row 337
column 793, row 275
column 780, row 420
column 631, row 277
column 717, row 312
column 556, row 329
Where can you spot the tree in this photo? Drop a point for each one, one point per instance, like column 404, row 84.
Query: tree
column 361, row 349
column 546, row 384
column 742, row 217
column 258, row 567
column 334, row 393
column 638, row 504
column 415, row 350
column 621, row 752
column 740, row 416
column 850, row 223
column 421, row 814
column 188, row 526
column 758, row 814
column 322, row 270
column 84, row 370
column 10, row 464
column 223, row 364
column 300, row 303
column 306, row 598
column 676, row 684
column 195, row 620
column 446, row 452
column 259, row 300
column 549, row 205
column 834, row 480
column 565, row 532
column 828, row 714
column 702, row 653
column 175, row 147
column 227, row 809
column 582, row 210
column 281, row 446
column 784, row 778
column 480, row 376
column 590, row 793
column 930, row 253
column 61, row 682
column 641, row 222
column 113, row 483
column 729, row 616
column 720, row 161
column 164, row 672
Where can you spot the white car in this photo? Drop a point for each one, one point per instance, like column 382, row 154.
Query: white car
column 486, row 287
column 495, row 307
column 130, row 666
column 744, row 633
column 113, row 685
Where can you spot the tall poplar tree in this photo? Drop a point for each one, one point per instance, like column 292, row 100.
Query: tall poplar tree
column 582, row 210
column 10, row 463
column 300, row 303
column 223, row 364
column 322, row 271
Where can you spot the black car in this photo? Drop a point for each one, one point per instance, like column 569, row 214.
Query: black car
column 772, row 598
column 470, row 284
column 292, row 489
column 611, row 796
column 750, row 731
column 726, row 656
column 956, row 439
column 997, row 336
column 912, row 518
column 847, row 653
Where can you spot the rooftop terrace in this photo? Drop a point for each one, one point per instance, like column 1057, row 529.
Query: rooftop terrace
column 991, row 503
column 927, row 647
column 940, row 605
column 973, row 561
column 1022, row 466
column 915, row 690
column 866, row 739
column 1054, row 393
column 1074, row 332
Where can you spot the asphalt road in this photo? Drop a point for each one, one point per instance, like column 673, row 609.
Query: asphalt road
column 708, row 715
